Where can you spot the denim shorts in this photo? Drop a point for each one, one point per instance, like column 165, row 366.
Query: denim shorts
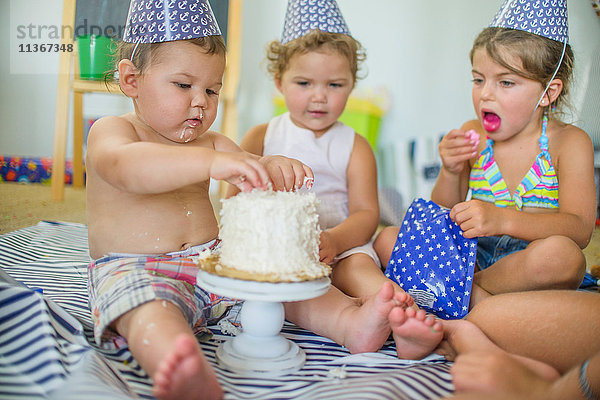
column 492, row 248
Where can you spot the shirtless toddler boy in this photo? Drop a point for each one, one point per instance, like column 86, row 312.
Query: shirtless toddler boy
column 149, row 210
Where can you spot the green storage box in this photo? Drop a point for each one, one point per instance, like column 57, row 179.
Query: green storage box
column 95, row 56
column 360, row 114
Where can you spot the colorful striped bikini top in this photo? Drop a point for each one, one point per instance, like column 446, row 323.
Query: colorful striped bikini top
column 539, row 187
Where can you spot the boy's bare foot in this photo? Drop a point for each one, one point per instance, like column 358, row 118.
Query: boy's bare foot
column 416, row 334
column 370, row 325
column 185, row 374
column 404, row 300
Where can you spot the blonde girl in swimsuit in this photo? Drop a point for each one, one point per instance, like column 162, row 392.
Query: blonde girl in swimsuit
column 518, row 178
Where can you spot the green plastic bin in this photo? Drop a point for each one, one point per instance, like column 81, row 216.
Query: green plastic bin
column 360, row 114
column 95, row 56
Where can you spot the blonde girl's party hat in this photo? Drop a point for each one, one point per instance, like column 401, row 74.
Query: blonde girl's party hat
column 303, row 16
column 157, row 21
column 547, row 18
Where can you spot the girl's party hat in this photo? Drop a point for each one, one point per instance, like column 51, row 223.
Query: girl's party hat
column 547, row 18
column 303, row 16
column 156, row 21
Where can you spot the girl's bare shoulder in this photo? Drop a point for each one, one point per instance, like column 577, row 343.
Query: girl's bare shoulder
column 253, row 140
column 564, row 135
column 256, row 133
column 567, row 141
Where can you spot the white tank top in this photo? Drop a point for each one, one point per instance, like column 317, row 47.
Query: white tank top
column 328, row 157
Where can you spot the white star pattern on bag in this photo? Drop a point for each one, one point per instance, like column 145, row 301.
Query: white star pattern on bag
column 446, row 290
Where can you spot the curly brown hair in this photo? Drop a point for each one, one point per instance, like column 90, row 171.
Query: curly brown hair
column 279, row 55
column 539, row 55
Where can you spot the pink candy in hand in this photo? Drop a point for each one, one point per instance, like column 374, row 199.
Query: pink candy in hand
column 472, row 136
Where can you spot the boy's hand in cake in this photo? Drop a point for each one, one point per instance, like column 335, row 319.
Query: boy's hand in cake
column 456, row 148
column 286, row 173
column 239, row 169
column 327, row 248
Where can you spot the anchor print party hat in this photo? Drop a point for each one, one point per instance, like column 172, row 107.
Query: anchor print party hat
column 303, row 16
column 547, row 18
column 157, row 21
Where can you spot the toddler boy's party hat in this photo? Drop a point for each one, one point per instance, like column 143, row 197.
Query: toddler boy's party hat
column 157, row 21
column 547, row 18
column 303, row 16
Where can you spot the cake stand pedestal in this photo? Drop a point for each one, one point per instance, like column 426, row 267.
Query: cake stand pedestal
column 261, row 350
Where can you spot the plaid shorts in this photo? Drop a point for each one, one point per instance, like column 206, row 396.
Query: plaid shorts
column 119, row 283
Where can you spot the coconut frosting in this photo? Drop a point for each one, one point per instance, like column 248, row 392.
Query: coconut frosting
column 272, row 233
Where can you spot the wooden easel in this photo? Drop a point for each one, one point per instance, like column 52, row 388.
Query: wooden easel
column 229, row 125
column 68, row 81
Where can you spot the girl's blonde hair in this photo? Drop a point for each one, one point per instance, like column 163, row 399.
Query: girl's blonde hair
column 539, row 55
column 146, row 53
column 279, row 55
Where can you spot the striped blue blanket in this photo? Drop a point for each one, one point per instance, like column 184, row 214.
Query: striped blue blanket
column 47, row 349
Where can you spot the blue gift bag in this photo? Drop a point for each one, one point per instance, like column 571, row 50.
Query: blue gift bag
column 432, row 261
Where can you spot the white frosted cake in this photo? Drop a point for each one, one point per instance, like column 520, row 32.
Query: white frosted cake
column 269, row 236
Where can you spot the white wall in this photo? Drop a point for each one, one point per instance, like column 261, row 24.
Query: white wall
column 416, row 50
column 425, row 73
column 28, row 101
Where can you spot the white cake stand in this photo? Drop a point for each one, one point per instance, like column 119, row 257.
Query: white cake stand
column 261, row 350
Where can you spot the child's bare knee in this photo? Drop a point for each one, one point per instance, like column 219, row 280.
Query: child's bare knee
column 558, row 261
column 387, row 237
column 384, row 243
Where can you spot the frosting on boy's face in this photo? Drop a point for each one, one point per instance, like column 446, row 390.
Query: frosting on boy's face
column 178, row 93
column 502, row 99
column 316, row 86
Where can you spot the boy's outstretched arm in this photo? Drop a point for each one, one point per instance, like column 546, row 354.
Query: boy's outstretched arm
column 145, row 165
